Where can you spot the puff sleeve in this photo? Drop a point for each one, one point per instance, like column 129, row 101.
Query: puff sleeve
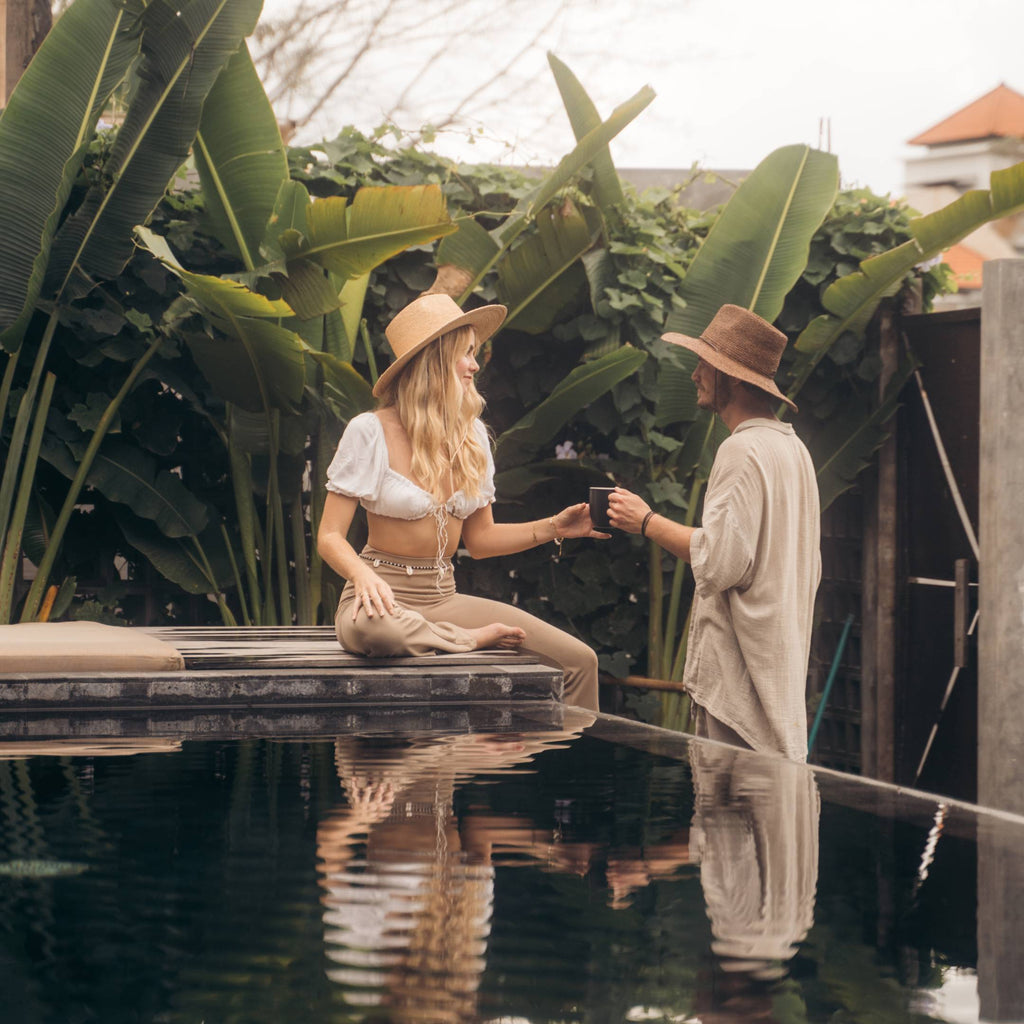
column 487, row 484
column 358, row 467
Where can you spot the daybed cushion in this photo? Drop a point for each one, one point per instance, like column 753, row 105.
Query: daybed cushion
column 62, row 648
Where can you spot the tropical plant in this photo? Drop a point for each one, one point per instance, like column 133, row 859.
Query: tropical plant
column 57, row 244
column 285, row 330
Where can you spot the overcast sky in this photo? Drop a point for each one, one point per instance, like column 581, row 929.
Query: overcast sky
column 735, row 79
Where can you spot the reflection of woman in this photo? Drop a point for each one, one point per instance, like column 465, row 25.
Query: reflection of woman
column 421, row 467
column 408, row 905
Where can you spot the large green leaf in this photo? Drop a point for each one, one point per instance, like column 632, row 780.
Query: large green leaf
column 758, row 247
column 469, row 258
column 240, row 158
column 845, row 444
column 463, row 253
column 676, row 399
column 852, row 300
column 576, row 391
column 251, row 361
column 49, row 118
column 590, row 146
column 351, row 239
column 178, row 560
column 539, row 261
column 128, row 476
column 344, row 388
column 224, row 296
column 583, row 117
column 185, row 46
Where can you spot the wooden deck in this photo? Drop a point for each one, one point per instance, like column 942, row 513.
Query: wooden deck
column 253, row 667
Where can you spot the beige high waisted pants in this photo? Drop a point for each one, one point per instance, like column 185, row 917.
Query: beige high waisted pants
column 428, row 620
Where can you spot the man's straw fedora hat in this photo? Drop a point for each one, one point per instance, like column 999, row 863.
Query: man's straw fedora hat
column 424, row 320
column 740, row 344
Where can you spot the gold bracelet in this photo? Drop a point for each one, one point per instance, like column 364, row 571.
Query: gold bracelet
column 558, row 540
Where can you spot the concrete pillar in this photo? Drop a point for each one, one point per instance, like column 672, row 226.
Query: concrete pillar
column 1001, row 642
column 1001, row 572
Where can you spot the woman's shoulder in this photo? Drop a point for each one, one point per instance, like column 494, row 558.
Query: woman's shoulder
column 364, row 426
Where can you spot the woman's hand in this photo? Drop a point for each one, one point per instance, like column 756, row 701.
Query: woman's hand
column 372, row 595
column 575, row 521
column 626, row 510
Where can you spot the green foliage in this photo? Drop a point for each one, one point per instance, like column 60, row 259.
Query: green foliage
column 237, row 403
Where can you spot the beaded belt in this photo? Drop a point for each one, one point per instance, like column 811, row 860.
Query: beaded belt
column 409, row 569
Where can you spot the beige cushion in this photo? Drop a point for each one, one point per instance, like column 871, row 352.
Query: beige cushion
column 79, row 647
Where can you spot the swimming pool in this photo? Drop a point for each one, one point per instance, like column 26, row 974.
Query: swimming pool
column 540, row 871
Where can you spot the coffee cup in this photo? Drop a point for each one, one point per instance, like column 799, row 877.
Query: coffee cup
column 599, row 507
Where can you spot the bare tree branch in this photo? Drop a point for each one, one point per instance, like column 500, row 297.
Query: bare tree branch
column 368, row 42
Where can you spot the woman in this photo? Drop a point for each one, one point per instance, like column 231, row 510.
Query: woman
column 421, row 467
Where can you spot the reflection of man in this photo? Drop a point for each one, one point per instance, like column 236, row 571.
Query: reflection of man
column 756, row 559
column 755, row 833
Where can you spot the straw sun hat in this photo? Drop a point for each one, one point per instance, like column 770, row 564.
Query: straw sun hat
column 424, row 320
column 740, row 344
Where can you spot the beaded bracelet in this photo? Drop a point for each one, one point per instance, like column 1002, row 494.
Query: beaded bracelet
column 643, row 525
column 558, row 540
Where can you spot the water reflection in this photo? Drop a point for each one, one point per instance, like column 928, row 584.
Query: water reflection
column 408, row 885
column 408, row 890
column 755, row 833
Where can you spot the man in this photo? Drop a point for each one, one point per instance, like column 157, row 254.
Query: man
column 756, row 559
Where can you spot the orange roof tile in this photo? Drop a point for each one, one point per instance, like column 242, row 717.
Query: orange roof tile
column 997, row 114
column 966, row 264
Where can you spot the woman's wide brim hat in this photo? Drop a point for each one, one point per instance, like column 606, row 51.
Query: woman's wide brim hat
column 742, row 345
column 424, row 320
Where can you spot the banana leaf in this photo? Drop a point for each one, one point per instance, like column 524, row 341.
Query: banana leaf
column 592, row 144
column 758, row 247
column 534, row 278
column 676, row 400
column 344, row 388
column 462, row 253
column 576, row 391
column 240, row 158
column 128, row 476
column 583, row 117
column 469, row 256
column 514, row 483
column 253, row 363
column 852, row 300
column 845, row 444
column 342, row 343
column 49, row 118
column 350, row 239
column 179, row 560
column 184, row 47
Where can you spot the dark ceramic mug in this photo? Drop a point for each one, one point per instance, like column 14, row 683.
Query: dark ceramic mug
column 599, row 507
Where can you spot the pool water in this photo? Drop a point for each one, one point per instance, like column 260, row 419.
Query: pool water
column 609, row 873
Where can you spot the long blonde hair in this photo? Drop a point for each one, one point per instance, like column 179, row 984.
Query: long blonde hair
column 438, row 411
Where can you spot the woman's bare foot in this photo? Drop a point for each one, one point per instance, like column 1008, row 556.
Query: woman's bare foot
column 497, row 635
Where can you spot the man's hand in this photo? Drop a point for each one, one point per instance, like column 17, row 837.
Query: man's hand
column 626, row 510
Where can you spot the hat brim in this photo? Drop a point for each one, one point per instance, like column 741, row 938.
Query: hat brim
column 728, row 366
column 484, row 320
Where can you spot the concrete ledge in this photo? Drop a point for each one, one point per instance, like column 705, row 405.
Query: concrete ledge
column 99, row 733
column 447, row 684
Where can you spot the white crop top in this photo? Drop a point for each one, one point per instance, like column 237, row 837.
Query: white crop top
column 360, row 470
